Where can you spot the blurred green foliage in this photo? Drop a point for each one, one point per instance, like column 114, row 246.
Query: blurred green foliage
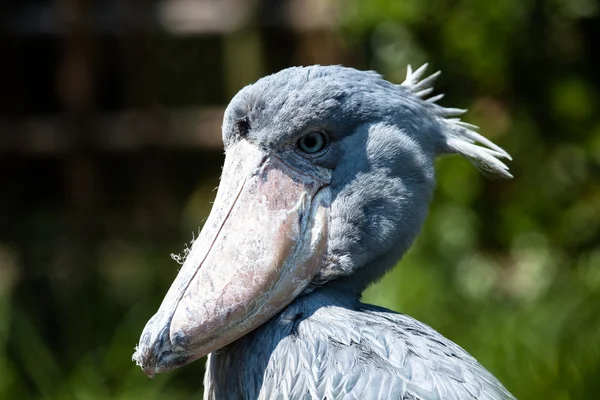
column 508, row 270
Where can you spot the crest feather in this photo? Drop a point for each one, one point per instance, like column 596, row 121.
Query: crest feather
column 457, row 136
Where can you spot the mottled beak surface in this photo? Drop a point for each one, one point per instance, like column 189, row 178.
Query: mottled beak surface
column 261, row 246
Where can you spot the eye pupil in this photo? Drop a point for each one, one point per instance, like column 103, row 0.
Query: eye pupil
column 312, row 142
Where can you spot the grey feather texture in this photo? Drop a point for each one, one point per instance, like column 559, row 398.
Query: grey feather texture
column 324, row 347
column 383, row 140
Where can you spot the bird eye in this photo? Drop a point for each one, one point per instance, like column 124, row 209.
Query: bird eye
column 312, row 142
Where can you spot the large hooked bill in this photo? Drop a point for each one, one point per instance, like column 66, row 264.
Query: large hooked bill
column 262, row 244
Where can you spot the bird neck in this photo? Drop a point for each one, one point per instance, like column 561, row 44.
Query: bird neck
column 360, row 278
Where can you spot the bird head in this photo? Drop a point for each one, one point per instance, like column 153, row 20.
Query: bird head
column 327, row 180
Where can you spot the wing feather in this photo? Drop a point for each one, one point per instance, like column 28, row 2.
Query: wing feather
column 376, row 354
column 340, row 352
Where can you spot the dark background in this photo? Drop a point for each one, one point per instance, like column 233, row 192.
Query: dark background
column 110, row 149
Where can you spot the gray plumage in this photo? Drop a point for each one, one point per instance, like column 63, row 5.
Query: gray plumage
column 375, row 180
column 384, row 142
column 326, row 344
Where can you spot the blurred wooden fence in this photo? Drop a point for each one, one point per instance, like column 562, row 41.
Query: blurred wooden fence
column 96, row 74
column 98, row 92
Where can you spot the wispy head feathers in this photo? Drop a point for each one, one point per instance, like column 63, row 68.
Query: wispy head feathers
column 457, row 136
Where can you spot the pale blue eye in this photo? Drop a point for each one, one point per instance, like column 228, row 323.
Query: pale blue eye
column 312, row 142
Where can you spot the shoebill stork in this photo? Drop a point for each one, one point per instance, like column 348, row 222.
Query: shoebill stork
column 328, row 176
